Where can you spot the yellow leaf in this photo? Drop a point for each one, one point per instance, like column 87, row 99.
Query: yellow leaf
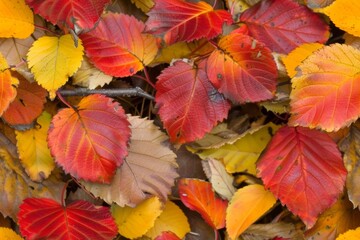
column 16, row 19
column 350, row 235
column 299, row 54
column 53, row 60
column 247, row 205
column 135, row 222
column 171, row 219
column 9, row 234
column 144, row 5
column 345, row 15
column 33, row 149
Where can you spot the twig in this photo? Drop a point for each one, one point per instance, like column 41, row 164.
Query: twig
column 137, row 91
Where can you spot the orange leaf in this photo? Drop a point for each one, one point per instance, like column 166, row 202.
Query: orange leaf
column 167, row 236
column 44, row 218
column 7, row 90
column 181, row 20
column 199, row 196
column 117, row 45
column 90, row 142
column 242, row 69
column 326, row 95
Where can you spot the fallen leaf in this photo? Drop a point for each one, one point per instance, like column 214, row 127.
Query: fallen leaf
column 314, row 4
column 350, row 235
column 167, row 236
column 272, row 230
column 144, row 5
column 9, row 234
column 7, row 87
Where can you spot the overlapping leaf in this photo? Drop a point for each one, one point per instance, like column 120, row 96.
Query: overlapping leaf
column 17, row 19
column 44, row 218
column 284, row 24
column 53, row 60
column 7, row 85
column 9, row 234
column 90, row 141
column 350, row 235
column 326, row 94
column 149, row 169
column 247, row 205
column 27, row 105
column 72, row 14
column 199, row 196
column 144, row 5
column 167, row 236
column 242, row 69
column 135, row 222
column 181, row 20
column 118, row 46
column 189, row 105
column 304, row 169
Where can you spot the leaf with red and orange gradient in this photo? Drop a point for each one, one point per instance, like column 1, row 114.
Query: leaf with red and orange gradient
column 304, row 169
column 189, row 105
column 284, row 24
column 199, row 196
column 90, row 141
column 44, row 218
column 242, row 69
column 28, row 104
column 72, row 14
column 118, row 46
column 167, row 236
column 326, row 91
column 7, row 85
column 181, row 20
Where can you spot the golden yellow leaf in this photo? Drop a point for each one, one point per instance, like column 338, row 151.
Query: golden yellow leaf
column 135, row 222
column 247, row 205
column 9, row 234
column 16, row 18
column 53, row 60
column 171, row 219
column 33, row 149
column 350, row 235
column 299, row 54
column 144, row 5
column 89, row 76
column 241, row 155
column 345, row 15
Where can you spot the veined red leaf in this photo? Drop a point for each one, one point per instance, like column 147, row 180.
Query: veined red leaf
column 242, row 69
column 28, row 103
column 44, row 218
column 326, row 91
column 304, row 169
column 284, row 24
column 189, row 105
column 180, row 20
column 70, row 13
column 117, row 45
column 91, row 141
column 199, row 196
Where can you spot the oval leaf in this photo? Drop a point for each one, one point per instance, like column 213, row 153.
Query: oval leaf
column 124, row 50
column 90, row 142
column 189, row 105
column 304, row 169
column 284, row 24
column 72, row 14
column 247, row 205
column 17, row 19
column 199, row 196
column 326, row 94
column 181, row 20
column 242, row 69
column 53, row 60
column 78, row 220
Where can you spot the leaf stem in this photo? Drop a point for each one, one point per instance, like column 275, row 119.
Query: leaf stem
column 214, row 4
column 216, row 234
column 62, row 99
column 63, row 192
column 148, row 77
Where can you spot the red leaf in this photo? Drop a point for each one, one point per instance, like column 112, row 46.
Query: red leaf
column 242, row 69
column 199, row 196
column 284, row 24
column 189, row 105
column 304, row 169
column 28, row 104
column 44, row 218
column 185, row 21
column 117, row 45
column 66, row 13
column 167, row 236
column 91, row 141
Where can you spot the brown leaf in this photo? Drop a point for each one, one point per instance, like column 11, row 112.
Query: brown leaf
column 272, row 230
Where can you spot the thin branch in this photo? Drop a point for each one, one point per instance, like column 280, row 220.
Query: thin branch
column 137, row 91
